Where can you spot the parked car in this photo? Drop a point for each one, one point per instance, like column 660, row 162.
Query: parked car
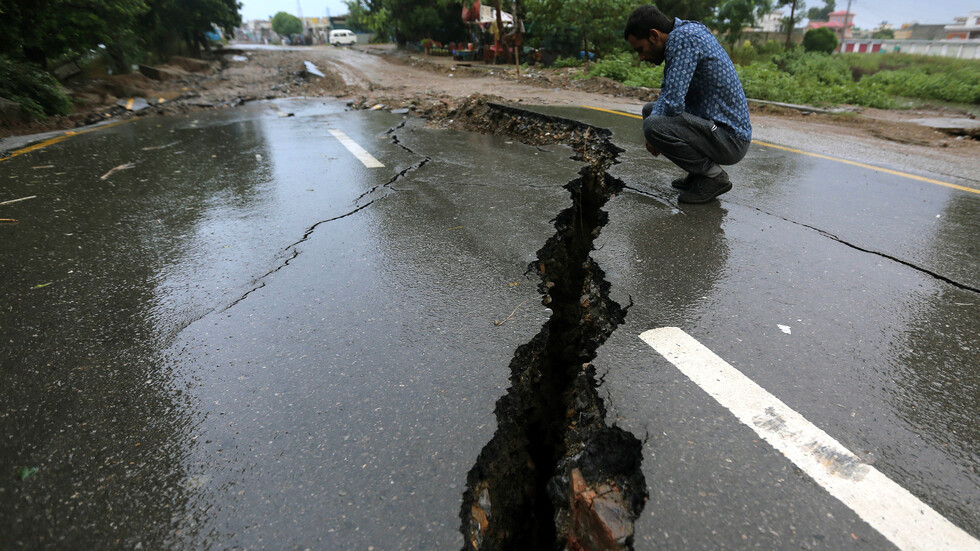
column 342, row 36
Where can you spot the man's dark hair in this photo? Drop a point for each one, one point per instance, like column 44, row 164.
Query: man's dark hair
column 645, row 18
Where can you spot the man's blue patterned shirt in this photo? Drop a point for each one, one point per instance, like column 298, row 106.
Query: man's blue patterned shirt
column 699, row 78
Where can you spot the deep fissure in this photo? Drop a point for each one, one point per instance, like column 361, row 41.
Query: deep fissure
column 555, row 475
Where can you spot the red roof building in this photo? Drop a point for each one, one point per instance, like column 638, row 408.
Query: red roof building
column 840, row 21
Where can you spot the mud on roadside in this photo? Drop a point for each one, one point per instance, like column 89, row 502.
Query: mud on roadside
column 230, row 79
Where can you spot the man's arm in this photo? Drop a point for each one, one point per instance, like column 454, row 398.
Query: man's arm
column 684, row 57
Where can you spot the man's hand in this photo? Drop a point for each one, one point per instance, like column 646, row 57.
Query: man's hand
column 653, row 150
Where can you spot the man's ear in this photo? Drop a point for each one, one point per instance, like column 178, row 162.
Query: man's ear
column 655, row 36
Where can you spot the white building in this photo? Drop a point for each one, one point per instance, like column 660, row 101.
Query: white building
column 771, row 22
column 965, row 27
column 256, row 30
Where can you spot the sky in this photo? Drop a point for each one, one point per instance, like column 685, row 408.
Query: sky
column 868, row 13
column 265, row 9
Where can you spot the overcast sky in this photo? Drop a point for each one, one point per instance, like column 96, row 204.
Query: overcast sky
column 868, row 13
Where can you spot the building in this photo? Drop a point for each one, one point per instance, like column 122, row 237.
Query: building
column 771, row 22
column 965, row 28
column 958, row 48
column 915, row 31
column 840, row 22
column 257, row 30
column 317, row 28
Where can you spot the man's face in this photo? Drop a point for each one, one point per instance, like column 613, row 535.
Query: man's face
column 651, row 48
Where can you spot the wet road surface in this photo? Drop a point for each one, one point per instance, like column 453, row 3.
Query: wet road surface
column 251, row 339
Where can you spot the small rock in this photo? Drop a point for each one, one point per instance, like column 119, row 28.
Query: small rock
column 191, row 64
column 10, row 111
column 600, row 519
column 157, row 73
column 133, row 104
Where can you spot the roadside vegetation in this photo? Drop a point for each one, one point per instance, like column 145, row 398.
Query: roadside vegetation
column 773, row 73
column 575, row 30
column 41, row 36
column 37, row 92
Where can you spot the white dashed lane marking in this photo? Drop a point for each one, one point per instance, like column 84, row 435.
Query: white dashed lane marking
column 358, row 151
column 890, row 509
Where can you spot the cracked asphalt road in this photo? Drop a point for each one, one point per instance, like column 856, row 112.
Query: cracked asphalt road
column 250, row 339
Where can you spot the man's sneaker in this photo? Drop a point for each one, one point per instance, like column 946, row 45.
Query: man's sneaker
column 705, row 189
column 684, row 183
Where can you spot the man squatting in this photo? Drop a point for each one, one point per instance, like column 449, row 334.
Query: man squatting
column 701, row 119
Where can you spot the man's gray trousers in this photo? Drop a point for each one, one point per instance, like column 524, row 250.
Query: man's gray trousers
column 696, row 145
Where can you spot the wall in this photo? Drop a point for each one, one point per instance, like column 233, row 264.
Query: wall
column 962, row 49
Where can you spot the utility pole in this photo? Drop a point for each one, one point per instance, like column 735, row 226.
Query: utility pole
column 518, row 39
column 500, row 33
column 847, row 19
column 302, row 21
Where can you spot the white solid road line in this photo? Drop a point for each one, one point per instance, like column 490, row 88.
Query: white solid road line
column 358, row 151
column 890, row 509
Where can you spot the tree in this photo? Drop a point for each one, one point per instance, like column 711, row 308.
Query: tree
column 43, row 30
column 357, row 16
column 820, row 40
column 172, row 22
column 37, row 92
column 411, row 20
column 734, row 15
column 795, row 15
column 286, row 24
column 883, row 34
column 587, row 25
column 691, row 10
column 821, row 14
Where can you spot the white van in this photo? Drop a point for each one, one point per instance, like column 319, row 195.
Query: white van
column 341, row 37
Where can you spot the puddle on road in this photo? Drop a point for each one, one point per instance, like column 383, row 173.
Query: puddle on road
column 555, row 475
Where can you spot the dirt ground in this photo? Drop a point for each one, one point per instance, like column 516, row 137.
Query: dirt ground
column 433, row 86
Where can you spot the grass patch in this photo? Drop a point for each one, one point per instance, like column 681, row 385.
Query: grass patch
column 624, row 68
column 566, row 62
column 883, row 81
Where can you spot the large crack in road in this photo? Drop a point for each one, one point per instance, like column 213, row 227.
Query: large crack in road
column 555, row 475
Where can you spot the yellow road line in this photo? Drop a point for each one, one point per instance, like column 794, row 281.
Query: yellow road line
column 825, row 157
column 623, row 113
column 61, row 138
column 870, row 167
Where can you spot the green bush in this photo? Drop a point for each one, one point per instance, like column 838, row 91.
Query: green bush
column 916, row 76
column 565, row 62
column 895, row 61
column 744, row 53
column 771, row 47
column 37, row 92
column 960, row 86
column 823, row 68
column 812, row 78
column 820, row 40
column 286, row 24
column 764, row 80
column 623, row 68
